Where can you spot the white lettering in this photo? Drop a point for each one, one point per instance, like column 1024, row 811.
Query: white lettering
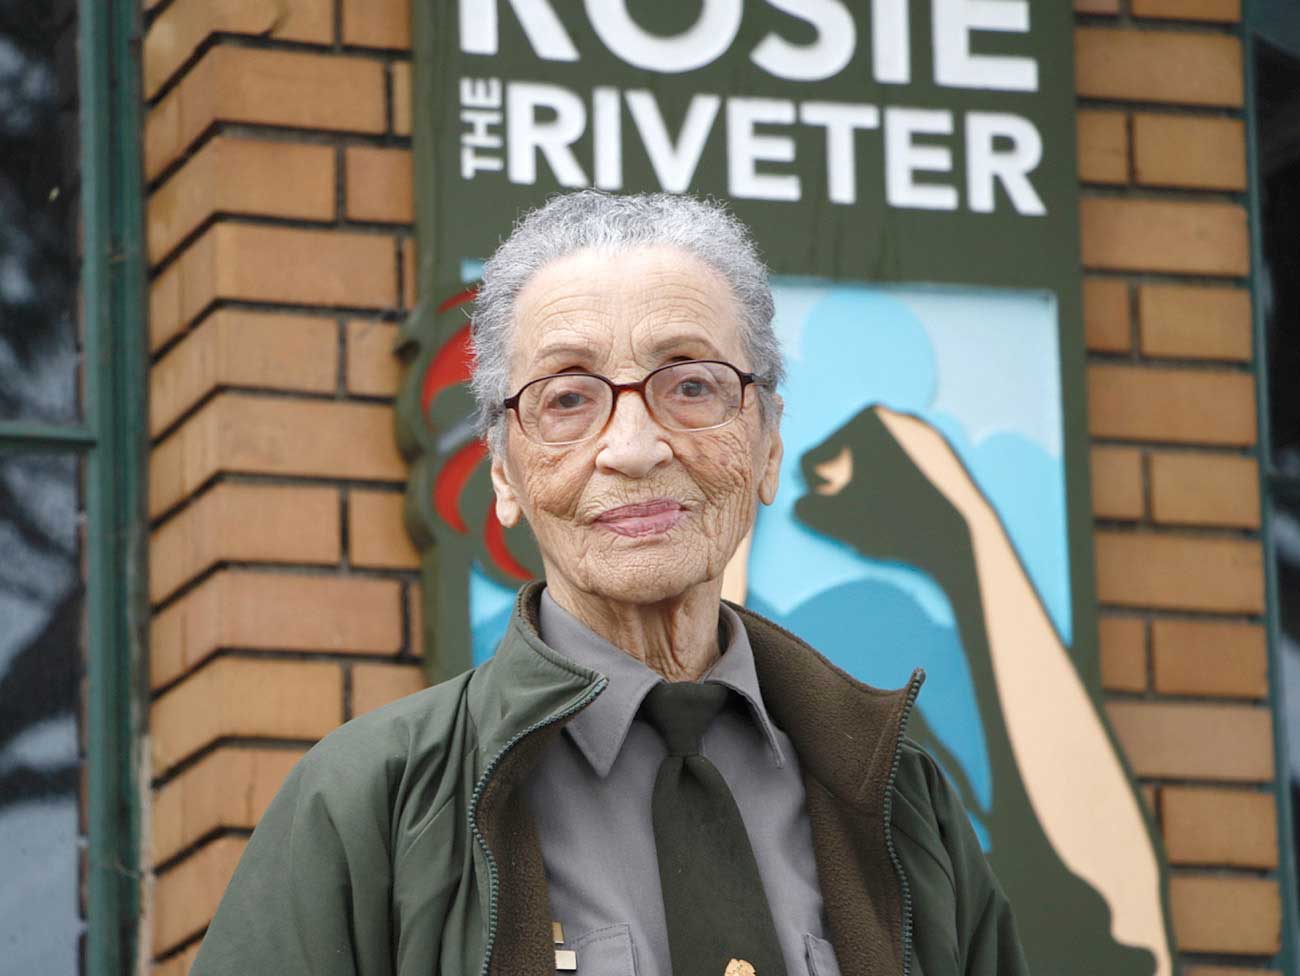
column 840, row 120
column 745, row 148
column 710, row 35
column 837, row 36
column 891, row 51
column 479, row 32
column 607, row 138
column 525, row 135
column 903, row 159
column 480, row 100
column 954, row 64
column 480, row 92
column 1012, row 166
column 674, row 165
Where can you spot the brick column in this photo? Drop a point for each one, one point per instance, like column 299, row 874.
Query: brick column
column 277, row 155
column 1171, row 386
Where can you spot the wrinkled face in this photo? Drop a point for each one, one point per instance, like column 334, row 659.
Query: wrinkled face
column 638, row 513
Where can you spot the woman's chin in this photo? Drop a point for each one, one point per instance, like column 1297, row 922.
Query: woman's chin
column 645, row 580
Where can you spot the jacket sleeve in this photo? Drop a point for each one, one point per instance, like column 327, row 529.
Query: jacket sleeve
column 960, row 909
column 310, row 896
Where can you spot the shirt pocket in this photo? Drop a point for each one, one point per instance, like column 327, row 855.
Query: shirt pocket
column 606, row 952
column 820, row 956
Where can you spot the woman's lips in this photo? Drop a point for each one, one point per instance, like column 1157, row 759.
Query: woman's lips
column 643, row 518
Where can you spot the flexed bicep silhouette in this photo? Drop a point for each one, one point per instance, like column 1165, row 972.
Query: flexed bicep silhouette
column 1069, row 842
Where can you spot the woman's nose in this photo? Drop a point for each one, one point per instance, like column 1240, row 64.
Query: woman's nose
column 633, row 444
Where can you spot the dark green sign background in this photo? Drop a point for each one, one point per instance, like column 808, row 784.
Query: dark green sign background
column 867, row 240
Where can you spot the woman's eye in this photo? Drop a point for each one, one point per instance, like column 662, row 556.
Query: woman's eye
column 693, row 389
column 568, row 400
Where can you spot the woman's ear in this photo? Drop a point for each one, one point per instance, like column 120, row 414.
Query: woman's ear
column 508, row 510
column 770, row 478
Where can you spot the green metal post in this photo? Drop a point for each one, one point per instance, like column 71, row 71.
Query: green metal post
column 115, row 368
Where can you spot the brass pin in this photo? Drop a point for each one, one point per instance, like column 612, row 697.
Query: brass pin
column 738, row 967
column 566, row 960
column 557, row 933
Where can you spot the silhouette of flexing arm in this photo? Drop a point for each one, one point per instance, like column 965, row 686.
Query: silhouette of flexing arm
column 1069, row 836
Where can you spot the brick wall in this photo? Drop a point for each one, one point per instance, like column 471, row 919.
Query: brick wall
column 1180, row 577
column 277, row 154
column 279, row 219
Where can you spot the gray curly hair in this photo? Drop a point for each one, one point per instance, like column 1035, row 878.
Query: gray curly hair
column 577, row 221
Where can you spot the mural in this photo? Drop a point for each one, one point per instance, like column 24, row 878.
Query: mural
column 921, row 521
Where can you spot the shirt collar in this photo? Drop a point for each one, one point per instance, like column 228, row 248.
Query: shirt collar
column 600, row 729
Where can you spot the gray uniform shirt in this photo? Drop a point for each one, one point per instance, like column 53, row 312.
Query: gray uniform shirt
column 590, row 796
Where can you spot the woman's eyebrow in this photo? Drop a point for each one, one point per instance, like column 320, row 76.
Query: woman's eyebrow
column 672, row 343
column 578, row 351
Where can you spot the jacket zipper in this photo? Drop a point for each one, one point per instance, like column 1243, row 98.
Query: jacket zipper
column 493, row 883
column 913, row 689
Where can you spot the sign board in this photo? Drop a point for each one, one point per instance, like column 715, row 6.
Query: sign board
column 908, row 170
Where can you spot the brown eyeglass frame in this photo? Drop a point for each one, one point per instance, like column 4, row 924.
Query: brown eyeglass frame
column 512, row 402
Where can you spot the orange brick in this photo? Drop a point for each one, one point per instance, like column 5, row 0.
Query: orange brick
column 415, row 603
column 241, row 697
column 374, row 685
column 1117, row 483
column 1195, row 322
column 1173, row 740
column 1184, row 151
column 238, row 348
column 1123, row 654
column 265, row 87
column 272, row 264
column 236, row 432
column 1155, row 235
column 186, row 897
column 1106, row 320
column 377, row 23
column 247, row 523
column 1222, row 11
column 1226, row 915
column 241, row 176
column 1103, row 146
column 182, row 27
column 379, row 184
column 1158, row 66
column 402, row 113
column 248, row 610
column 1200, row 488
column 377, row 535
column 1141, row 569
column 373, row 367
column 1218, row 826
column 410, row 274
column 1187, row 406
column 1223, row 659
column 227, row 789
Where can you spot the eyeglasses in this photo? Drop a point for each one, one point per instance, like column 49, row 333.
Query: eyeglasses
column 565, row 408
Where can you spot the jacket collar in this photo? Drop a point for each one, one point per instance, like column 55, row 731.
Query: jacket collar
column 525, row 683
column 845, row 732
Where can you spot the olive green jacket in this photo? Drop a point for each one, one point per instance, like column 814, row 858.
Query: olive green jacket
column 401, row 844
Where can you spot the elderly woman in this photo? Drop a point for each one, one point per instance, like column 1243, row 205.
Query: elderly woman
column 643, row 779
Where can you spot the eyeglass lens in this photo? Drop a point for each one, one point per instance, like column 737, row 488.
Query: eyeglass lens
column 574, row 406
